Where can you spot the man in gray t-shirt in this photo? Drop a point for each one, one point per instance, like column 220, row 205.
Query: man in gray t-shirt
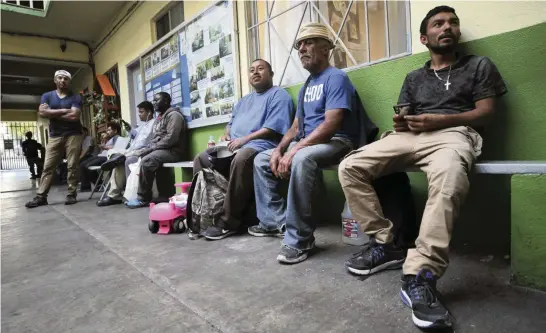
column 448, row 100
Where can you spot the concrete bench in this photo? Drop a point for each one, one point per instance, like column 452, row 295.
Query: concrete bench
column 527, row 212
column 485, row 167
column 497, row 167
column 184, row 165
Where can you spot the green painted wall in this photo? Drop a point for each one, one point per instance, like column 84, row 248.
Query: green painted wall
column 514, row 134
column 529, row 230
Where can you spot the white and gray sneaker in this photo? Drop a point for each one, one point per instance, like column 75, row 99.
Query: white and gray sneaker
column 289, row 255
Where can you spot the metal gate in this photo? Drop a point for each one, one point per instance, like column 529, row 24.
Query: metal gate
column 13, row 134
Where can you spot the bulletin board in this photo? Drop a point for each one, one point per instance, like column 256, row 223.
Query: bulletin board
column 197, row 67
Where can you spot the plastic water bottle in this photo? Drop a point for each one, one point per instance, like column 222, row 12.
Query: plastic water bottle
column 211, row 142
column 351, row 233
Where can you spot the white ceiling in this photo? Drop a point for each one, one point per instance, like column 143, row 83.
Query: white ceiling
column 78, row 20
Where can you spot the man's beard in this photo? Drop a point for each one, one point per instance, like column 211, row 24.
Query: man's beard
column 438, row 49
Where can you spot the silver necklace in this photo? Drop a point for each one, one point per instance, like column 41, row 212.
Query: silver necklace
column 447, row 81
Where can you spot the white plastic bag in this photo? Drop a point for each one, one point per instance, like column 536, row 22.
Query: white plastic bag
column 131, row 187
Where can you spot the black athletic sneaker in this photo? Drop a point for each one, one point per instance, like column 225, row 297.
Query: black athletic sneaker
column 258, row 231
column 374, row 258
column 36, row 202
column 419, row 293
column 215, row 233
column 289, row 255
column 70, row 200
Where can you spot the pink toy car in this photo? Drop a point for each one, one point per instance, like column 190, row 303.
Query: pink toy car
column 168, row 217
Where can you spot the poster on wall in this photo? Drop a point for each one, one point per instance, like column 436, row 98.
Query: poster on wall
column 206, row 47
column 196, row 67
column 162, row 71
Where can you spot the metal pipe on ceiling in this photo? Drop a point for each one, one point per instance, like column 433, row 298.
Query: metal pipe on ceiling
column 20, row 99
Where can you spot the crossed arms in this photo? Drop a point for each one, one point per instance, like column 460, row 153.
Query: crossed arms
column 72, row 114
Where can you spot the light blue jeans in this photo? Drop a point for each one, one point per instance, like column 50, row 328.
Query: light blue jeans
column 294, row 212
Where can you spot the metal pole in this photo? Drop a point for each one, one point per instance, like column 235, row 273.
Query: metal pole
column 387, row 43
column 367, row 30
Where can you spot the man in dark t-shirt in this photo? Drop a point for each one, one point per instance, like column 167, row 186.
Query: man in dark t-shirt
column 63, row 109
column 31, row 148
column 448, row 100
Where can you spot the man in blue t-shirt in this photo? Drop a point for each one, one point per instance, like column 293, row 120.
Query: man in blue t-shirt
column 325, row 130
column 63, row 109
column 258, row 122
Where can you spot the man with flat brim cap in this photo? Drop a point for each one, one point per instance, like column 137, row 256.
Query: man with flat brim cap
column 63, row 109
column 324, row 131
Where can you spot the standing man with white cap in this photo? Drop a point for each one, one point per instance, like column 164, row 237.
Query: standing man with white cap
column 326, row 128
column 63, row 109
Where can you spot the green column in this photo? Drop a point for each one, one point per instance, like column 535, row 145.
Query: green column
column 529, row 231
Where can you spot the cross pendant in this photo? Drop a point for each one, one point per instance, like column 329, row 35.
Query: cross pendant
column 447, row 85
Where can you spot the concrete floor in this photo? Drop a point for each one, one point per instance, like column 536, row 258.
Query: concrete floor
column 83, row 268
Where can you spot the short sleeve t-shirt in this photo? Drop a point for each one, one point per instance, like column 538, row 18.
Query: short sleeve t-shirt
column 272, row 109
column 471, row 79
column 331, row 89
column 60, row 127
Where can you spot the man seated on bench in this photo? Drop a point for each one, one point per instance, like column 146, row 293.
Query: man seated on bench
column 452, row 96
column 87, row 176
column 168, row 145
column 326, row 128
column 259, row 121
column 140, row 138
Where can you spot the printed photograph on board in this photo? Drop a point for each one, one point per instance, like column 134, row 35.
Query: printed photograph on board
column 213, row 110
column 195, row 113
column 195, row 96
column 174, row 47
column 198, row 41
column 156, row 58
column 165, row 52
column 212, row 62
column 147, row 64
column 226, row 108
column 201, row 71
column 215, row 32
column 211, row 95
column 225, row 46
column 193, row 83
column 225, row 90
column 217, row 73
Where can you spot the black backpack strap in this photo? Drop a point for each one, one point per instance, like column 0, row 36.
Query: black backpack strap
column 367, row 129
column 301, row 116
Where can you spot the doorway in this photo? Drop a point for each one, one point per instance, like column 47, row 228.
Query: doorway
column 12, row 136
column 136, row 91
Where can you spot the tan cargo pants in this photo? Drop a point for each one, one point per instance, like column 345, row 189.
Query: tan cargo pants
column 119, row 178
column 446, row 156
column 55, row 149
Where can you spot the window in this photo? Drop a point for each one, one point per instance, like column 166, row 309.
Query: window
column 27, row 4
column 170, row 19
column 365, row 32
